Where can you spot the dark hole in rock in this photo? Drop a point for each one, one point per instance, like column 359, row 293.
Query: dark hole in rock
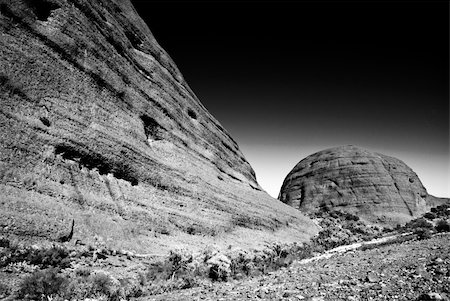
column 103, row 17
column 117, row 9
column 61, row 182
column 41, row 8
column 45, row 121
column 4, row 10
column 411, row 180
column 92, row 160
column 117, row 46
column 134, row 39
column 13, row 88
column 153, row 130
column 192, row 114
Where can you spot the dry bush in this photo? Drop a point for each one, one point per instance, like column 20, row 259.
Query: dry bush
column 41, row 284
column 442, row 226
column 4, row 290
column 42, row 257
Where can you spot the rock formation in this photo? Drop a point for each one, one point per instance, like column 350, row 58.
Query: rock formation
column 376, row 187
column 97, row 122
column 67, row 237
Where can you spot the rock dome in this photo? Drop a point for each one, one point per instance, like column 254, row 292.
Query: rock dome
column 349, row 178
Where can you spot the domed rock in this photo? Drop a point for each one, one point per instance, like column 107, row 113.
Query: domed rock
column 376, row 187
column 98, row 125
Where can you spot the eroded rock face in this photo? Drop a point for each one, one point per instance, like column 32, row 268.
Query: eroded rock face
column 98, row 124
column 377, row 187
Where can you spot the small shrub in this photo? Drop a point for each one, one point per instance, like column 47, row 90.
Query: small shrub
column 87, row 284
column 441, row 210
column 429, row 215
column 132, row 288
column 423, row 233
column 442, row 226
column 4, row 242
column 41, row 284
column 179, row 270
column 219, row 267
column 419, row 223
column 103, row 284
column 53, row 257
column 4, row 290
column 77, row 199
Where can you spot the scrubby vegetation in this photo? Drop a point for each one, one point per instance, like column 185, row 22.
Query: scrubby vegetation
column 80, row 285
column 182, row 269
column 51, row 273
column 4, row 290
column 40, row 257
column 435, row 221
column 41, row 284
column 341, row 228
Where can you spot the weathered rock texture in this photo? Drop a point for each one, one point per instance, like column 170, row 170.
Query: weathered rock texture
column 98, row 124
column 374, row 186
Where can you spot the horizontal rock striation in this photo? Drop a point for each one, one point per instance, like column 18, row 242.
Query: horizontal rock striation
column 375, row 186
column 98, row 124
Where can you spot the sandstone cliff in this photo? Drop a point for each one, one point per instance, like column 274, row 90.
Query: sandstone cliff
column 98, row 124
column 376, row 187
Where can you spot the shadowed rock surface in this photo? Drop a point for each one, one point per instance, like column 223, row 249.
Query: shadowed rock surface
column 98, row 124
column 371, row 185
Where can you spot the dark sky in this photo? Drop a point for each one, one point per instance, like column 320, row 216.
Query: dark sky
column 289, row 78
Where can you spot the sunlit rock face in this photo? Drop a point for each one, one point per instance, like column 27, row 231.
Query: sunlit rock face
column 98, row 125
column 375, row 186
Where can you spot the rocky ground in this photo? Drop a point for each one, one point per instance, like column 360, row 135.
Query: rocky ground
column 413, row 270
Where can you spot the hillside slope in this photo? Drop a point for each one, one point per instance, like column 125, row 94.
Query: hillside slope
column 98, row 125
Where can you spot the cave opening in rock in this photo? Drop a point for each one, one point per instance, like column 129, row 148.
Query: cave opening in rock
column 134, row 39
column 192, row 114
column 42, row 8
column 45, row 121
column 153, row 130
column 91, row 160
